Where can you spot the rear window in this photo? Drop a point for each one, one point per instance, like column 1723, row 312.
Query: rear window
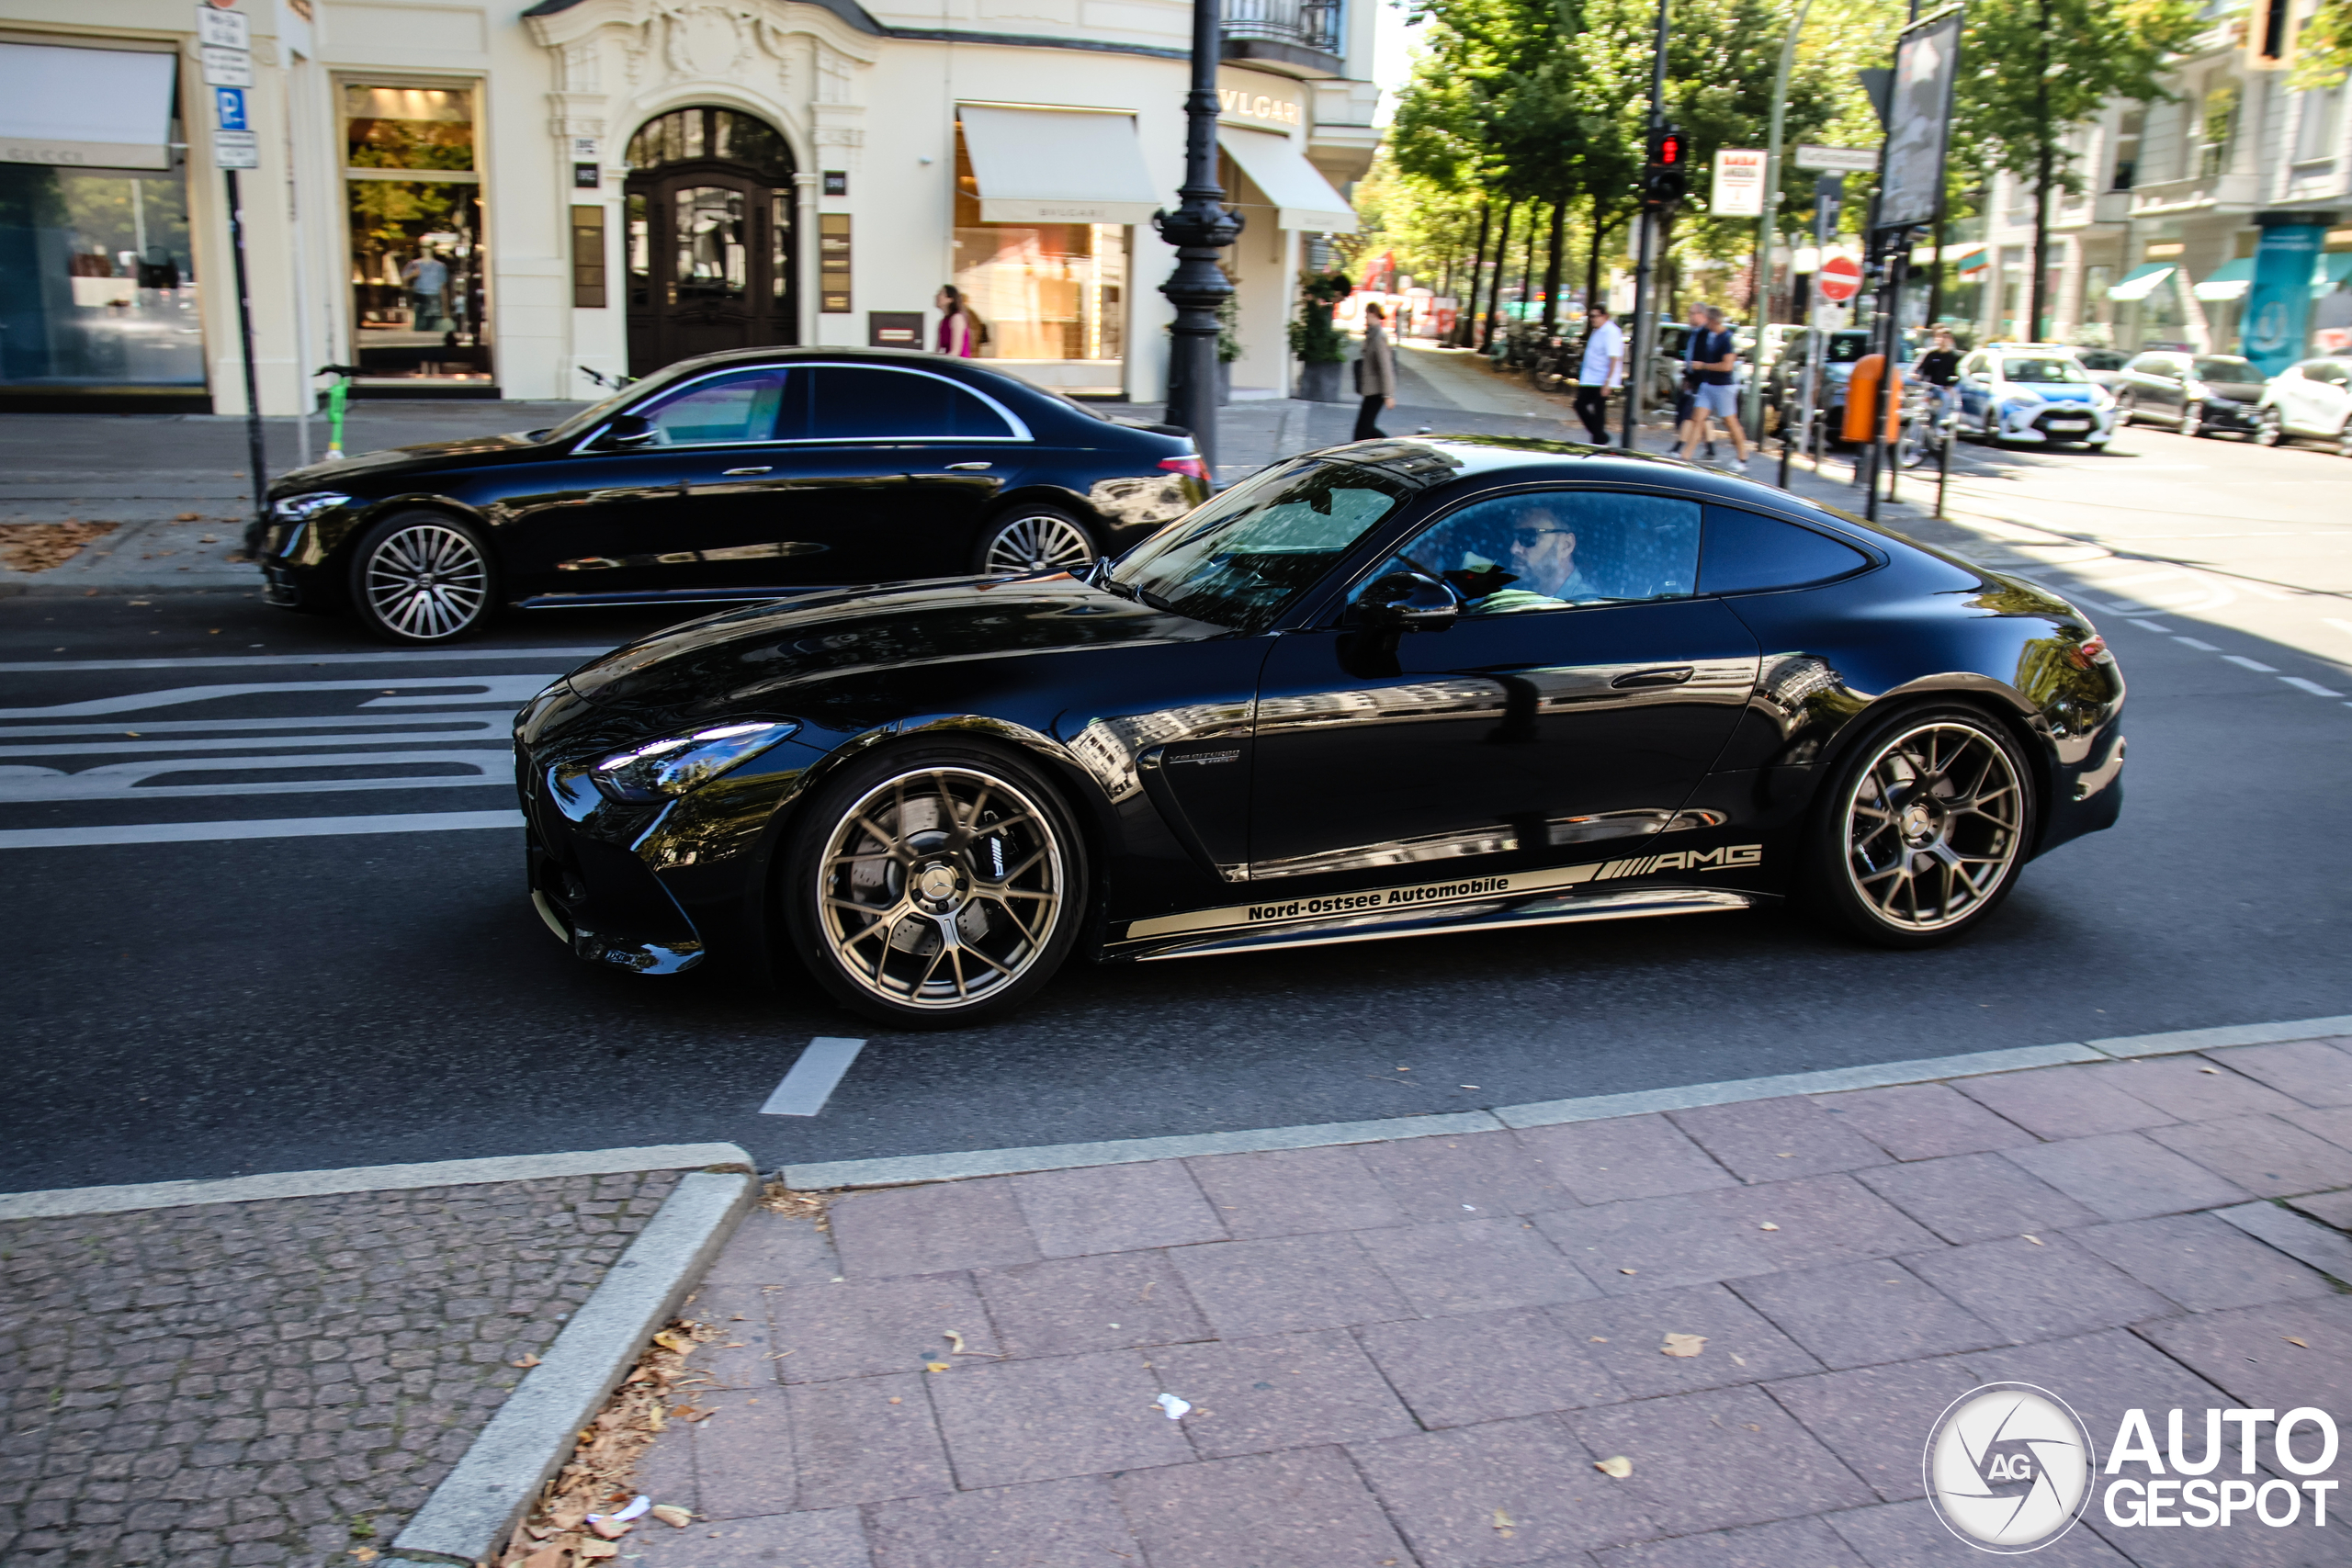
column 1746, row 552
column 2226, row 368
column 855, row 402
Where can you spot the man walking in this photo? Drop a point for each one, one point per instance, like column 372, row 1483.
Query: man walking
column 1375, row 375
column 1603, row 368
column 1713, row 358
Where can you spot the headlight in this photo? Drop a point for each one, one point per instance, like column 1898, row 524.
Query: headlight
column 2020, row 404
column 302, row 508
column 662, row 768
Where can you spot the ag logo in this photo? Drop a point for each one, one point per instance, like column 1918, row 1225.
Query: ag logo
column 2008, row 1467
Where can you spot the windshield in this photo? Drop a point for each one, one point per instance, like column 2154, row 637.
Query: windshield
column 1847, row 347
column 595, row 414
column 2225, row 368
column 2100, row 359
column 2050, row 371
column 1239, row 559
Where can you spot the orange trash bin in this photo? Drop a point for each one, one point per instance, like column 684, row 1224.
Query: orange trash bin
column 1861, row 392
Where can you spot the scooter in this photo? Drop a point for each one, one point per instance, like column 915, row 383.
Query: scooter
column 338, row 396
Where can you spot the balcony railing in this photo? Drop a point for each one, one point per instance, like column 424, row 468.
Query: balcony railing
column 1301, row 24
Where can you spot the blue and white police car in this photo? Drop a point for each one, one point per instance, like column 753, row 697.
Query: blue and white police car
column 2033, row 394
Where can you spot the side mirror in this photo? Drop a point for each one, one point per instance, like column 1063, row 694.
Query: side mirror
column 627, row 430
column 1406, row 601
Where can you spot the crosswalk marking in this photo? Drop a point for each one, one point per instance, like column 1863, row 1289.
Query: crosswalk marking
column 283, row 828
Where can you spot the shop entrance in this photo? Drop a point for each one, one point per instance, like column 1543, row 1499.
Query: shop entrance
column 710, row 239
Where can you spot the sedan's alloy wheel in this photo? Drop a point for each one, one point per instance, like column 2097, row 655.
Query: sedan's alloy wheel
column 1041, row 541
column 426, row 581
column 1933, row 827
column 942, row 887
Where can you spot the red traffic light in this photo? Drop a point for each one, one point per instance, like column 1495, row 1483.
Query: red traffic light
column 1669, row 150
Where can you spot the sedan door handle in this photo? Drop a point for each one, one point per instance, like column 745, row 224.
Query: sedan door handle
column 737, row 473
column 1674, row 676
column 969, row 468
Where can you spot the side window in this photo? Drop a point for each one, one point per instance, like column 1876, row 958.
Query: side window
column 851, row 402
column 1973, row 365
column 2326, row 372
column 741, row 406
column 1749, row 553
column 1552, row 549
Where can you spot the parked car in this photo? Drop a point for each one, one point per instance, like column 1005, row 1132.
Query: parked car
column 734, row 477
column 2104, row 365
column 1842, row 350
column 2033, row 394
column 2310, row 399
column 2196, row 394
column 1391, row 689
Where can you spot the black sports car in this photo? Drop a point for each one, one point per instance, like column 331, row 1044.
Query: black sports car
column 1387, row 689
column 735, row 477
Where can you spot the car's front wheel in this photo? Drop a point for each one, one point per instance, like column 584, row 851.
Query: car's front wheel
column 2192, row 419
column 1034, row 538
column 423, row 577
column 1924, row 830
column 934, row 886
column 2270, row 430
column 2126, row 407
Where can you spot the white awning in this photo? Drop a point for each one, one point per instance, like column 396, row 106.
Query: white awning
column 101, row 109
column 2142, row 283
column 1059, row 166
column 1297, row 187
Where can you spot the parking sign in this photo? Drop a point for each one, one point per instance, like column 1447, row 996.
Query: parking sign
column 229, row 108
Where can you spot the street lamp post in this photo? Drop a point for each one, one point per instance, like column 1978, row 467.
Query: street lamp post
column 1637, row 352
column 1199, row 228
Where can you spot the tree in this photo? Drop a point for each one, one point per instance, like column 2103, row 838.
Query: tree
column 2031, row 68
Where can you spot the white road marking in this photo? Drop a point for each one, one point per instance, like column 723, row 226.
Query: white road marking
column 119, row 781
column 813, row 1077
column 518, row 689
column 285, row 827
column 43, row 666
column 494, row 726
column 2199, row 647
column 2152, row 626
column 2313, row 687
column 2243, row 662
column 2339, row 625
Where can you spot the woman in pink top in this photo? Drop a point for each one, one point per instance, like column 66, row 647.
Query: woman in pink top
column 955, row 333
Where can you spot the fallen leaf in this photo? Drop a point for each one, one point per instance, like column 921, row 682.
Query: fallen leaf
column 1685, row 1345
column 934, row 1366
column 670, row 1339
column 2037, row 1241
column 2208, row 1069
column 1791, row 1155
column 955, row 1342
column 547, row 1557
column 527, row 1363
column 611, row 1529
column 1502, row 1521
column 365, row 1553
column 671, row 1514
column 1619, row 1466
column 1768, row 1226
column 185, row 517
column 2292, row 1340
column 1737, row 1360
column 894, row 1399
column 1629, row 1270
column 597, row 1550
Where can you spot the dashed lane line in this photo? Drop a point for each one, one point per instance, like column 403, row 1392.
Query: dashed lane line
column 67, row 666
column 813, row 1077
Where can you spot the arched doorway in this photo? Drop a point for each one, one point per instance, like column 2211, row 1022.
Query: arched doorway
column 711, row 237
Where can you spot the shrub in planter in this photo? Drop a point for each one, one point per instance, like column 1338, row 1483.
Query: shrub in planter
column 1318, row 344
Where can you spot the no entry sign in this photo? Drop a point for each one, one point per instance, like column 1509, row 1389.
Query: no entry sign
column 1839, row 280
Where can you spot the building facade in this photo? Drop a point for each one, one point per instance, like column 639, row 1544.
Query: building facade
column 455, row 200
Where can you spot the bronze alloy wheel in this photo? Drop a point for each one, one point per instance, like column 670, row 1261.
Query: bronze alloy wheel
column 423, row 578
column 942, row 887
column 1934, row 827
column 1036, row 539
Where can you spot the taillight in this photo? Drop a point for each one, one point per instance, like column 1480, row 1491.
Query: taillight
column 1189, row 465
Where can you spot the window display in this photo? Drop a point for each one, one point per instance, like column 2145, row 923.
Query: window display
column 98, row 285
column 417, row 256
column 1041, row 290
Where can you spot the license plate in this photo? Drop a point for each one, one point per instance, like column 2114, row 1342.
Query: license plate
column 2070, row 425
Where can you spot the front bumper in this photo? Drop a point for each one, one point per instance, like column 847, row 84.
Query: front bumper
column 2056, row 423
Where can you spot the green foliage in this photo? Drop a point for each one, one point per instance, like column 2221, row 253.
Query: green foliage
column 2323, row 47
column 2031, row 68
column 1228, row 322
column 1313, row 339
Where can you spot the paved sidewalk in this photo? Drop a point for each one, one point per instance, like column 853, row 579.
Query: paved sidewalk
column 1414, row 1354
column 280, row 1381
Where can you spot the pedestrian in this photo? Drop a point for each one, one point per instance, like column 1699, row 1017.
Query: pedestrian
column 1686, row 390
column 1375, row 375
column 1940, row 368
column 1713, row 357
column 960, row 334
column 426, row 277
column 1602, row 369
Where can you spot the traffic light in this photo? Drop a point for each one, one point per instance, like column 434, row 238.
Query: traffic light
column 1667, row 174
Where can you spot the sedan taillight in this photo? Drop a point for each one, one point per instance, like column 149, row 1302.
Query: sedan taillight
column 1190, row 464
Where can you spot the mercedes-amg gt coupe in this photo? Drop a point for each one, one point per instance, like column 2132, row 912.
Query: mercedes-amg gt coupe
column 1397, row 688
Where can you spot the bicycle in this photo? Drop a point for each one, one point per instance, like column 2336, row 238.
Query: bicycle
column 1926, row 427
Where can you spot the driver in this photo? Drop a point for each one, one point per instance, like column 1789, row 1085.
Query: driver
column 1543, row 571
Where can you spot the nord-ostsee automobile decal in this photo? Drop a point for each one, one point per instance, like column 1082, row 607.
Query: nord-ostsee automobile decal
column 1505, row 884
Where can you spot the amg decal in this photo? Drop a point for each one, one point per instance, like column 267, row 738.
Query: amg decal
column 1376, row 900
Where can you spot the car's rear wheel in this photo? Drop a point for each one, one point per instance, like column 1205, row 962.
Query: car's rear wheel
column 2268, row 429
column 2344, row 439
column 934, row 886
column 423, row 577
column 1923, row 831
column 1034, row 538
column 2192, row 419
column 2126, row 407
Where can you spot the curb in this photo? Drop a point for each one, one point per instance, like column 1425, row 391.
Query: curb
column 66, row 1202
column 907, row 1169
column 471, row 1514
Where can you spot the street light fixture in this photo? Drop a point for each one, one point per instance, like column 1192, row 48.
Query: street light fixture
column 1199, row 228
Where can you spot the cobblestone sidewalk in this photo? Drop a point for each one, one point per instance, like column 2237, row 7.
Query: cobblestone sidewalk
column 1415, row 1353
column 275, row 1382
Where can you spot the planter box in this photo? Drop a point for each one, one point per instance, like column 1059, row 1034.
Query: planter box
column 1322, row 383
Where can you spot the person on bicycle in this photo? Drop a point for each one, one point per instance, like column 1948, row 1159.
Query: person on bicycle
column 1939, row 369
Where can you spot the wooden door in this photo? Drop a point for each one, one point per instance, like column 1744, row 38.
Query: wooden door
column 710, row 263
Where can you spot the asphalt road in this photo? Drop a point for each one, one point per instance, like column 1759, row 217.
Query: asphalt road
column 294, row 1000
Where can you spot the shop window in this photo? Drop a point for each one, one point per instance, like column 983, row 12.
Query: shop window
column 419, row 267
column 1042, row 290
column 97, row 284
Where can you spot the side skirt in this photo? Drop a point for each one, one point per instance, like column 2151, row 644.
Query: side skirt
column 1495, row 915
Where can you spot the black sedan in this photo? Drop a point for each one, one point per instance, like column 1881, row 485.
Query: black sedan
column 735, row 477
column 1384, row 690
column 2196, row 394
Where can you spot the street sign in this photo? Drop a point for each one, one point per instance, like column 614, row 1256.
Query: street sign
column 1837, row 160
column 225, row 67
column 1839, row 280
column 235, row 150
column 1739, row 183
column 229, row 108
column 226, row 29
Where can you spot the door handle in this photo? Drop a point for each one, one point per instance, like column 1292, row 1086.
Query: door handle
column 735, row 473
column 969, row 468
column 1674, row 676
